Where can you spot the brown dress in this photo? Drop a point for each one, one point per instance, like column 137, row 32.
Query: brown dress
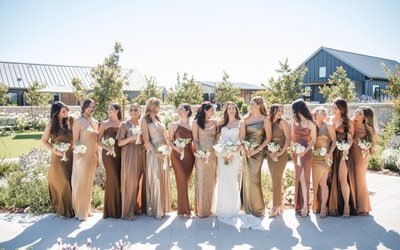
column 276, row 168
column 183, row 169
column 319, row 165
column 206, row 174
column 303, row 137
column 335, row 200
column 112, row 194
column 133, row 162
column 60, row 177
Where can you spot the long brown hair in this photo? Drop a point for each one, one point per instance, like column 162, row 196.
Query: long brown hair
column 273, row 110
column 225, row 118
column 263, row 107
column 55, row 125
column 151, row 105
column 341, row 104
column 369, row 125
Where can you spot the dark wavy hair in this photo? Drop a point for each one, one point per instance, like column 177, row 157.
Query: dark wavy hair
column 117, row 107
column 369, row 125
column 201, row 114
column 55, row 111
column 86, row 103
column 273, row 110
column 188, row 108
column 225, row 118
column 299, row 107
column 341, row 104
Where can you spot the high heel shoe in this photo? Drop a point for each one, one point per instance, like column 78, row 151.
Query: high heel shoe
column 275, row 211
column 323, row 213
column 346, row 212
column 304, row 212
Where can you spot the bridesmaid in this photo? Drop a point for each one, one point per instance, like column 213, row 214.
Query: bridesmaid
column 85, row 132
column 363, row 130
column 321, row 166
column 59, row 129
column 281, row 136
column 341, row 199
column 133, row 164
column 204, row 132
column 258, row 130
column 157, row 178
column 182, row 168
column 112, row 164
column 304, row 133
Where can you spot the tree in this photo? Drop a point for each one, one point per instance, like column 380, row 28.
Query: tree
column 339, row 86
column 36, row 98
column 3, row 94
column 225, row 91
column 150, row 90
column 108, row 82
column 393, row 87
column 185, row 91
column 79, row 89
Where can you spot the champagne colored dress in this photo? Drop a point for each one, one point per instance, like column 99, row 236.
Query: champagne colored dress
column 84, row 169
column 253, row 200
column 183, row 169
column 112, row 194
column 205, row 173
column 319, row 165
column 157, row 178
column 276, row 168
column 303, row 137
column 133, row 163
column 60, row 177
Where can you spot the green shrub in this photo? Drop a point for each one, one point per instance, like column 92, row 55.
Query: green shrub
column 391, row 159
column 266, row 185
column 374, row 162
column 97, row 197
column 288, row 179
column 6, row 167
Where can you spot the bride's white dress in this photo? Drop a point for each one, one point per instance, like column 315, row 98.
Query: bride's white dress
column 226, row 199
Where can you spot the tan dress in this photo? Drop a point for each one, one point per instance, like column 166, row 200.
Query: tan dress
column 276, row 168
column 112, row 194
column 205, row 173
column 157, row 178
column 60, row 177
column 319, row 165
column 84, row 169
column 253, row 200
column 133, row 162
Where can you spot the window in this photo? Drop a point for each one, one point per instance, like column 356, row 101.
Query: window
column 57, row 97
column 13, row 98
column 322, row 72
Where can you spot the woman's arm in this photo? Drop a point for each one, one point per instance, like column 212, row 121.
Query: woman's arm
column 146, row 136
column 171, row 131
column 332, row 135
column 195, row 133
column 121, row 136
column 286, row 132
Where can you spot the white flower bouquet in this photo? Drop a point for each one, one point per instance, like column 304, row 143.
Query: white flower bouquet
column 225, row 150
column 250, row 145
column 298, row 149
column 273, row 148
column 165, row 151
column 62, row 147
column 80, row 149
column 181, row 143
column 203, row 153
column 109, row 142
column 321, row 152
column 137, row 131
column 364, row 145
column 343, row 146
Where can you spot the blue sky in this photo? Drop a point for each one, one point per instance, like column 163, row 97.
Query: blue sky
column 203, row 38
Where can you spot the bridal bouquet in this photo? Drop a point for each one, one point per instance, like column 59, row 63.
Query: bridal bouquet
column 181, row 143
column 273, row 148
column 250, row 145
column 62, row 147
column 136, row 131
column 343, row 146
column 109, row 142
column 165, row 151
column 298, row 149
column 364, row 145
column 322, row 153
column 79, row 149
column 225, row 150
column 203, row 153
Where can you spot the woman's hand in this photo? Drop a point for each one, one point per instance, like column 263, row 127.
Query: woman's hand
column 55, row 151
column 178, row 149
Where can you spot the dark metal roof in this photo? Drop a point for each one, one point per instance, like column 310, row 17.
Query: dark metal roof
column 370, row 66
column 240, row 85
column 21, row 75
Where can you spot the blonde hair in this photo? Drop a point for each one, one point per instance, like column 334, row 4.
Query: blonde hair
column 263, row 107
column 317, row 110
column 151, row 105
column 136, row 105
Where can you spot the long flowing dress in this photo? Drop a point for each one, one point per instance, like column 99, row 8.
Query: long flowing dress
column 60, row 177
column 357, row 172
column 157, row 178
column 133, row 162
column 253, row 200
column 303, row 137
column 320, row 167
column 112, row 194
column 84, row 169
column 276, row 168
column 183, row 169
column 335, row 200
column 205, row 173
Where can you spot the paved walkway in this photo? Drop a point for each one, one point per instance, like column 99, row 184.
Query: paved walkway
column 379, row 230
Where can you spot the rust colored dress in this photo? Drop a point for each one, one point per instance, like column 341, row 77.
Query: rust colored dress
column 303, row 137
column 60, row 177
column 133, row 163
column 112, row 194
column 335, row 200
column 276, row 168
column 319, row 165
column 206, row 174
column 183, row 169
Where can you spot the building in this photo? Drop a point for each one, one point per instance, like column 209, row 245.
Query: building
column 57, row 78
column 366, row 72
column 245, row 90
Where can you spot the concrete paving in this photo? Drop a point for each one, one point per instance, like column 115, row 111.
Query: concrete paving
column 379, row 230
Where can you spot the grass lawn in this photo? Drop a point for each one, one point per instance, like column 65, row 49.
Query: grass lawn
column 14, row 145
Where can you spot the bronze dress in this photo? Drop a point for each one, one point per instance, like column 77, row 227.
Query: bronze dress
column 276, row 168
column 60, row 177
column 319, row 165
column 206, row 174
column 133, row 163
column 183, row 169
column 112, row 194
column 303, row 137
column 253, row 200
